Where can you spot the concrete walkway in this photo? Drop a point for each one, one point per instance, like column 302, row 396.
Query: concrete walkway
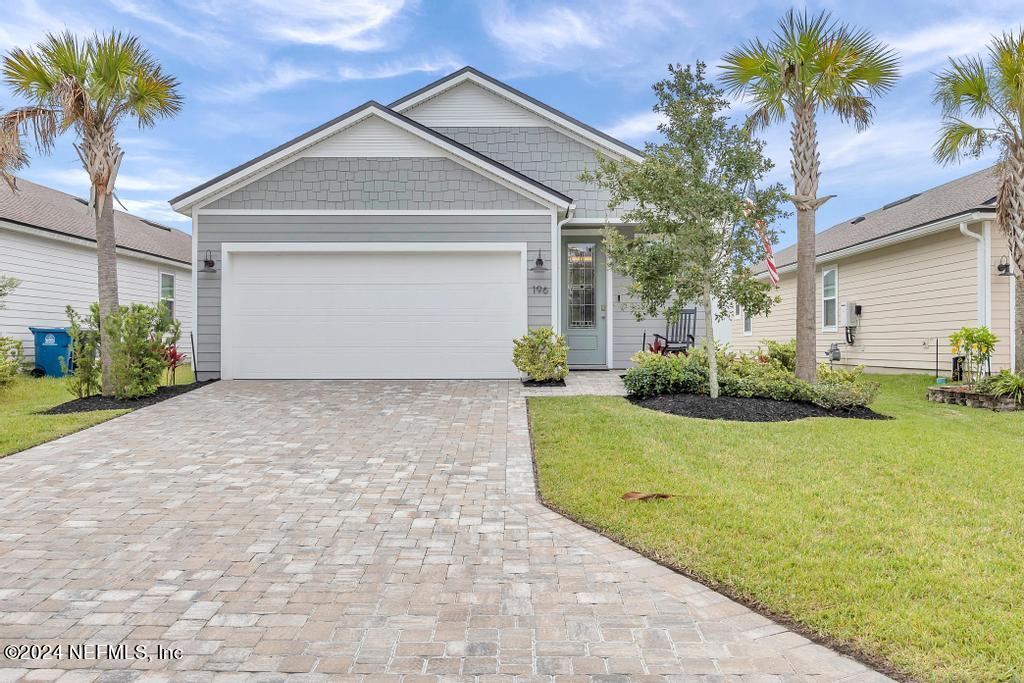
column 345, row 531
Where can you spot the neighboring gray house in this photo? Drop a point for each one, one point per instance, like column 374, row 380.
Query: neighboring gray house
column 48, row 241
column 406, row 241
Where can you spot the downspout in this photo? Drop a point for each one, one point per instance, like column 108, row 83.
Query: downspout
column 556, row 269
column 982, row 271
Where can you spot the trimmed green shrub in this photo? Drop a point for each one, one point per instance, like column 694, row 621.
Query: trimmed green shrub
column 84, row 378
column 11, row 360
column 747, row 376
column 139, row 334
column 784, row 353
column 1004, row 384
column 542, row 355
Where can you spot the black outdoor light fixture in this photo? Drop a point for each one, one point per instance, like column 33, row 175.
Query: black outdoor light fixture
column 1004, row 268
column 208, row 263
column 538, row 265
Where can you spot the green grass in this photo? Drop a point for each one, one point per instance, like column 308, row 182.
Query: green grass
column 902, row 538
column 21, row 425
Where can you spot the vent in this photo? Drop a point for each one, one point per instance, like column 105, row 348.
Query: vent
column 856, row 220
column 155, row 225
column 901, row 201
column 989, row 202
column 81, row 201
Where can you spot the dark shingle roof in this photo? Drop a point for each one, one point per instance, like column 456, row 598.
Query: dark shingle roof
column 43, row 207
column 974, row 192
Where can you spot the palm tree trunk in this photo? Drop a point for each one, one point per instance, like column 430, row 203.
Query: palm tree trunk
column 709, row 344
column 805, row 167
column 1010, row 219
column 106, row 270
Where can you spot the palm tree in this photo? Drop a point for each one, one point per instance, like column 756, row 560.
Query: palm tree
column 87, row 87
column 991, row 93
column 810, row 64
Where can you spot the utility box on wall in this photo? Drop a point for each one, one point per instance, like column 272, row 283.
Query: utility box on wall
column 849, row 315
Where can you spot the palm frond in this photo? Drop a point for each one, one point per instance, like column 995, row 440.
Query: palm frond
column 1006, row 76
column 958, row 139
column 857, row 109
column 28, row 75
column 39, row 123
column 153, row 94
column 963, row 87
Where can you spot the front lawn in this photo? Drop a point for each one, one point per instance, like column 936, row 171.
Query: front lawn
column 903, row 538
column 22, row 427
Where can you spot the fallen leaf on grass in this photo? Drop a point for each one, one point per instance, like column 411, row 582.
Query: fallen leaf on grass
column 636, row 495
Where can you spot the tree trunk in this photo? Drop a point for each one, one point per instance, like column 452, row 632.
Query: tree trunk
column 106, row 270
column 805, row 169
column 1018, row 323
column 709, row 344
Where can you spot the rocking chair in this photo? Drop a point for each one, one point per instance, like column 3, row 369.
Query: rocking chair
column 679, row 336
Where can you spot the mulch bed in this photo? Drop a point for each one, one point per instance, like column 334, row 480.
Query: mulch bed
column 85, row 405
column 746, row 409
column 548, row 383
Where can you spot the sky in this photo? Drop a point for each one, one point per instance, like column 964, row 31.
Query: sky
column 255, row 73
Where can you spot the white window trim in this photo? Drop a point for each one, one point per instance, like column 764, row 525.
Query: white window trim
column 160, row 289
column 835, row 297
column 747, row 332
column 227, row 370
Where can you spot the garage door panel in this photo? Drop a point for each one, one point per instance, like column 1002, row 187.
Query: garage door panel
column 373, row 299
column 368, row 314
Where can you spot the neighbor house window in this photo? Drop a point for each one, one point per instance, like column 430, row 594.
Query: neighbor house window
column 829, row 290
column 167, row 292
column 748, row 325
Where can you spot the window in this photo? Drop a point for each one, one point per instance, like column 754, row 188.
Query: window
column 748, row 325
column 581, row 275
column 167, row 292
column 829, row 291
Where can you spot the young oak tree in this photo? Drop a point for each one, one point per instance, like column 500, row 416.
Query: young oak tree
column 696, row 232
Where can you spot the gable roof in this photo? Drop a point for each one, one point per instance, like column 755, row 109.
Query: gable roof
column 974, row 192
column 253, row 167
column 38, row 206
column 559, row 118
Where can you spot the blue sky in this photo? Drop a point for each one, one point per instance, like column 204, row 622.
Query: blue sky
column 257, row 72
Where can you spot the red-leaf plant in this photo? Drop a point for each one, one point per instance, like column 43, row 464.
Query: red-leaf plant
column 173, row 359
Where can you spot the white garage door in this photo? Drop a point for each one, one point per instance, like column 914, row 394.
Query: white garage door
column 372, row 314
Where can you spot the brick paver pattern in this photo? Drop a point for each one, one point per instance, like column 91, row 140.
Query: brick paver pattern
column 348, row 531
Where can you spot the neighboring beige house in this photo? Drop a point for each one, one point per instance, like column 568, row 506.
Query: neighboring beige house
column 48, row 241
column 919, row 268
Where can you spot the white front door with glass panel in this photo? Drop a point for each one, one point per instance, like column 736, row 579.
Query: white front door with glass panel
column 584, row 307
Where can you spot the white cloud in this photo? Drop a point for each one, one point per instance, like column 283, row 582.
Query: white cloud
column 539, row 36
column 636, row 126
column 280, row 76
column 929, row 47
column 400, row 68
column 354, row 25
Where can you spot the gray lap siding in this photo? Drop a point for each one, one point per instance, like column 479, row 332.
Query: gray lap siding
column 214, row 230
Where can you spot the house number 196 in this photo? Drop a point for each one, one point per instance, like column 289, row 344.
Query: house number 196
column 540, row 289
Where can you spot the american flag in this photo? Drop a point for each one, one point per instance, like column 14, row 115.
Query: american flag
column 769, row 255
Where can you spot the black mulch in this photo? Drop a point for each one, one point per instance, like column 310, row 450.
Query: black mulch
column 85, row 405
column 746, row 409
column 547, row 383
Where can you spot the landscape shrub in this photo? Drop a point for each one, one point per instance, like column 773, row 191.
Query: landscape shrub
column 11, row 360
column 83, row 378
column 542, row 355
column 976, row 345
column 756, row 375
column 784, row 353
column 139, row 335
column 1004, row 384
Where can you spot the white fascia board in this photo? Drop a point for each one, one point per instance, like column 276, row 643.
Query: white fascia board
column 357, row 247
column 91, row 244
column 285, row 156
column 526, row 104
column 374, row 212
column 896, row 238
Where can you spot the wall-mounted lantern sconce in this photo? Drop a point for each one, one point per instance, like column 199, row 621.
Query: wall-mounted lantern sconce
column 209, row 266
column 538, row 265
column 1004, row 268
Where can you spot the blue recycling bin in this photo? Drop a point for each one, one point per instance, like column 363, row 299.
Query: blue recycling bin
column 52, row 345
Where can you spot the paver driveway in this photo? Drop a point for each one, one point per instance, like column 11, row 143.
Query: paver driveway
column 340, row 529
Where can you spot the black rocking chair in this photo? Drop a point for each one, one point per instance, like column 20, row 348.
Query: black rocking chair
column 678, row 337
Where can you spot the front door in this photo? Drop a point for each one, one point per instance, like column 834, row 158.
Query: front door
column 584, row 307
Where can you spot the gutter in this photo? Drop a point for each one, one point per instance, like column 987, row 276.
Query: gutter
column 984, row 281
column 556, row 262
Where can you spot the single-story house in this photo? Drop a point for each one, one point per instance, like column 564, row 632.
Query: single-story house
column 412, row 240
column 893, row 284
column 48, row 241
